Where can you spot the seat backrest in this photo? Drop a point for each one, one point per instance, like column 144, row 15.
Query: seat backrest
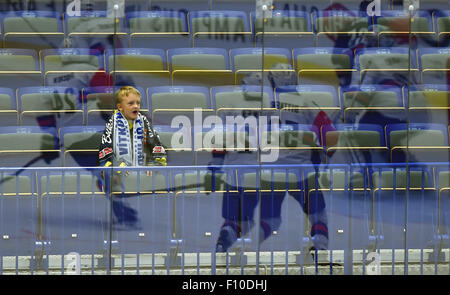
column 283, row 21
column 398, row 21
column 93, row 22
column 28, row 138
column 81, row 137
column 306, row 96
column 72, row 59
column 18, row 60
column 371, row 96
column 218, row 21
column 179, row 97
column 135, row 59
column 7, row 99
column 198, row 59
column 322, row 58
column 31, row 21
column 349, row 135
column 433, row 58
column 387, row 179
column 202, row 181
column 418, row 135
column 250, row 58
column 47, row 98
column 384, row 58
column 156, row 22
column 270, row 181
column 429, row 96
column 241, row 97
column 340, row 22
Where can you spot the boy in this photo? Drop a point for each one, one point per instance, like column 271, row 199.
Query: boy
column 128, row 140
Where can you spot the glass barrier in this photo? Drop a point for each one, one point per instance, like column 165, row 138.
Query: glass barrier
column 224, row 136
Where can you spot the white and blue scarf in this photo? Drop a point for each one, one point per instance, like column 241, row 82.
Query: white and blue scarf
column 125, row 150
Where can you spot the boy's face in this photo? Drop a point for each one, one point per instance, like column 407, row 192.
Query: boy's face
column 130, row 106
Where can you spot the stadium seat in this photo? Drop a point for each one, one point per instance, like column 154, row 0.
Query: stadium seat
column 19, row 68
column 8, row 107
column 428, row 103
column 49, row 106
column 303, row 103
column 73, row 67
column 100, row 102
column 442, row 24
column 373, row 104
column 19, row 208
column 32, row 29
column 355, row 143
column 200, row 66
column 167, row 102
column 434, row 65
column 199, row 195
column 392, row 28
column 243, row 100
column 80, row 145
column 291, row 144
column 421, row 143
column 95, row 30
column 246, row 64
column 335, row 28
column 180, row 6
column 347, row 200
column 286, row 28
column 220, row 29
column 392, row 62
column 178, row 144
column 330, row 66
column 389, row 186
column 269, row 188
column 249, row 5
column 29, row 146
column 158, row 29
column 140, row 67
column 443, row 185
column 226, row 145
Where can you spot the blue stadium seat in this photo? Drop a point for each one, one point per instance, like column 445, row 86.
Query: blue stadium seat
column 249, row 5
column 199, row 194
column 32, row 29
column 19, row 68
column 392, row 29
column 158, row 29
column 29, row 146
column 79, row 145
column 291, row 144
column 373, row 104
column 200, row 66
column 245, row 100
column 389, row 186
column 326, row 65
column 8, row 107
column 392, row 62
column 355, row 143
column 178, row 143
column 305, row 104
column 226, row 144
column 141, row 67
column 220, row 29
column 421, row 143
column 49, row 106
column 246, row 64
column 428, row 103
column 100, row 102
column 343, row 28
column 286, row 28
column 167, row 102
column 95, row 30
column 442, row 24
column 180, row 6
column 434, row 65
column 73, row 67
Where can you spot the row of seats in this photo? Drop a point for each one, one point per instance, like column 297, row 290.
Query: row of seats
column 216, row 66
column 291, row 144
column 44, row 29
column 293, row 180
column 182, row 5
column 294, row 103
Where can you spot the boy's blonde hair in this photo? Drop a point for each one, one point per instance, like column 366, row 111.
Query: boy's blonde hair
column 124, row 91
